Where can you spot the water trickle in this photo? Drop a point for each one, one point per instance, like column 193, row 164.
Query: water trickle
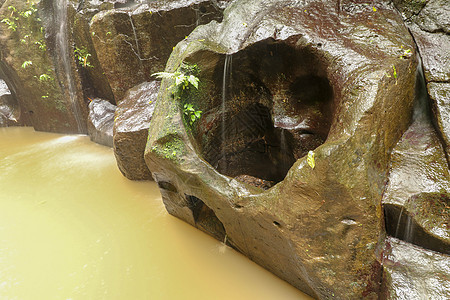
column 405, row 227
column 64, row 54
column 409, row 229
column 398, row 222
column 138, row 50
column 223, row 246
column 226, row 85
column 283, row 143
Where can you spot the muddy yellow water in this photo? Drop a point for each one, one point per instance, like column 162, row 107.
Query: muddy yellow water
column 72, row 227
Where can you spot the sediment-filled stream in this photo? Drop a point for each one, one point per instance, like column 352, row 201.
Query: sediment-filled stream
column 72, row 227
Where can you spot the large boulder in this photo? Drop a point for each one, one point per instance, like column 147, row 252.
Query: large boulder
column 131, row 125
column 101, row 122
column 89, row 70
column 134, row 42
column 278, row 79
column 411, row 272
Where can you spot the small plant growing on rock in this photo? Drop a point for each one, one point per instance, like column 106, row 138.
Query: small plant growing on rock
column 26, row 63
column 25, row 27
column 184, row 78
column 82, row 55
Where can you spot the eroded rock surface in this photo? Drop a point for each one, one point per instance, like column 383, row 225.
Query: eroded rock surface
column 131, row 125
column 133, row 43
column 101, row 122
column 411, row 272
column 330, row 69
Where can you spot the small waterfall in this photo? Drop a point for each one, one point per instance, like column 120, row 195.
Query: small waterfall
column 283, row 144
column 226, row 84
column 64, row 55
column 405, row 227
column 223, row 246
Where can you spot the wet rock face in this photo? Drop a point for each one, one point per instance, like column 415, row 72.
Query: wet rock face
column 101, row 121
column 131, row 125
column 440, row 96
column 135, row 42
column 429, row 23
column 416, row 200
column 275, row 83
column 9, row 109
column 411, row 272
column 29, row 69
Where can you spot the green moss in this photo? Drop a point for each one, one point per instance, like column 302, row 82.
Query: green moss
column 170, row 148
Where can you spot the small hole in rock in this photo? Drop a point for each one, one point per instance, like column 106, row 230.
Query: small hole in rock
column 276, row 223
column 167, row 186
column 402, row 224
column 204, row 217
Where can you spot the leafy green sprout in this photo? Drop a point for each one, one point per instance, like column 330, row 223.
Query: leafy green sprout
column 406, row 54
column 82, row 55
column 44, row 77
column 11, row 21
column 183, row 80
column 11, row 24
column 26, row 64
column 42, row 46
column 12, row 9
column 192, row 114
column 394, row 73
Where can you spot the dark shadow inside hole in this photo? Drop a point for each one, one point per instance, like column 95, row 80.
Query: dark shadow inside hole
column 165, row 185
column 400, row 224
column 268, row 106
column 205, row 219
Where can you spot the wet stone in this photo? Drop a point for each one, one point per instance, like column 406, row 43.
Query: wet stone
column 440, row 96
column 416, row 200
column 411, row 272
column 9, row 109
column 135, row 41
column 429, row 23
column 100, row 122
column 131, row 125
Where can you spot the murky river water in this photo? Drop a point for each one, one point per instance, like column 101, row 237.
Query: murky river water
column 72, row 227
